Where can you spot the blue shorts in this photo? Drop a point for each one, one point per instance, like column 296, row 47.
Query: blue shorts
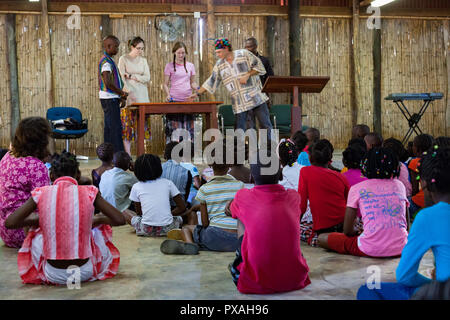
column 215, row 239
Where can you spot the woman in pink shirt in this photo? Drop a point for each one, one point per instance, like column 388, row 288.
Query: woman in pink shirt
column 179, row 81
column 383, row 205
column 21, row 170
column 66, row 235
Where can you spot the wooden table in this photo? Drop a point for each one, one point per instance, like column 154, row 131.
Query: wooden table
column 209, row 108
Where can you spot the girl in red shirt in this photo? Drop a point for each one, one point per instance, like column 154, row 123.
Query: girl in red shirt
column 326, row 190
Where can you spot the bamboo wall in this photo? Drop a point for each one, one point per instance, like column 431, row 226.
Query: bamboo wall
column 413, row 60
column 5, row 114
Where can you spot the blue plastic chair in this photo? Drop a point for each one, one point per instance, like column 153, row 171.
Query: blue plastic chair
column 62, row 113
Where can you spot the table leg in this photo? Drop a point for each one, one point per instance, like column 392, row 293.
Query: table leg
column 141, row 134
column 213, row 121
column 208, row 120
column 296, row 113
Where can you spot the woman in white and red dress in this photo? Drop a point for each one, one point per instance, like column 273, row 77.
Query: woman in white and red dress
column 66, row 233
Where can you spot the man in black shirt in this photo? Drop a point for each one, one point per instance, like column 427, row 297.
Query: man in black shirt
column 251, row 45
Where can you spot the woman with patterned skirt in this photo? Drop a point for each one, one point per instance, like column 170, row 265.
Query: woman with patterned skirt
column 133, row 68
column 179, row 81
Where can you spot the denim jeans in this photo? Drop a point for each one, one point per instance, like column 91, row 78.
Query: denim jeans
column 260, row 112
column 215, row 239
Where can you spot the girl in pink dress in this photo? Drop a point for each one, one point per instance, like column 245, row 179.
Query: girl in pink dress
column 179, row 82
column 66, row 234
column 21, row 170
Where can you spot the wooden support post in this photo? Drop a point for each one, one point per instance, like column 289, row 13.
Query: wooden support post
column 106, row 26
column 11, row 55
column 354, row 64
column 270, row 48
column 270, row 32
column 48, row 58
column 447, row 48
column 294, row 55
column 294, row 38
column 376, row 54
column 211, row 23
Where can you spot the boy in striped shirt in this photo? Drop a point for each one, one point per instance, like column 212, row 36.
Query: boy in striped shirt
column 218, row 231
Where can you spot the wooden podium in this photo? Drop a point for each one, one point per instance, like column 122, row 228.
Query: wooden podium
column 276, row 84
column 209, row 108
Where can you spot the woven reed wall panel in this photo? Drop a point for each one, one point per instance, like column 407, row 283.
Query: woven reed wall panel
column 31, row 65
column 413, row 60
column 325, row 52
column 5, row 98
column 75, row 55
column 365, row 76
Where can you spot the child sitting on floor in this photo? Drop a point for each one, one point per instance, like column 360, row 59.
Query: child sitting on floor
column 105, row 153
column 360, row 131
column 300, row 141
column 351, row 158
column 373, row 140
column 359, row 144
column 326, row 191
column 397, row 147
column 116, row 183
column 65, row 235
column 268, row 256
column 383, row 205
column 238, row 170
column 196, row 179
column 429, row 231
column 288, row 154
column 173, row 171
column 217, row 231
column 151, row 197
column 421, row 143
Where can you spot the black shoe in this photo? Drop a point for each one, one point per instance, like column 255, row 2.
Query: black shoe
column 178, row 247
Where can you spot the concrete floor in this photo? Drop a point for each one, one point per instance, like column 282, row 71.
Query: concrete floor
column 146, row 273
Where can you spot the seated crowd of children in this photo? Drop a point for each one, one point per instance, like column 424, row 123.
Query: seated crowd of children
column 385, row 202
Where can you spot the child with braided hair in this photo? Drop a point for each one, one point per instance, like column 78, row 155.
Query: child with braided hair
column 421, row 143
column 383, row 205
column 397, row 147
column 66, row 233
column 429, row 231
column 288, row 153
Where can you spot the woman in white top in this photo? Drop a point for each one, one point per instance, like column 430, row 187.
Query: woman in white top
column 133, row 68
